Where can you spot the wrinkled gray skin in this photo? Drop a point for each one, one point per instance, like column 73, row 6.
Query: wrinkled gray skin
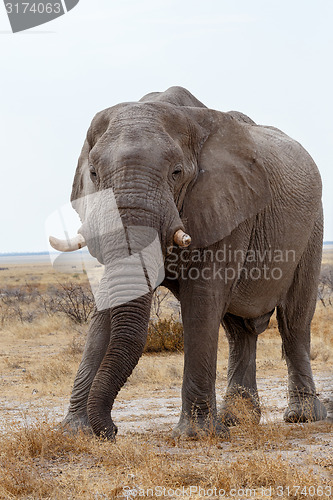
column 229, row 183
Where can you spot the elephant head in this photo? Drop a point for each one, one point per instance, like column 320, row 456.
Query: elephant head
column 152, row 173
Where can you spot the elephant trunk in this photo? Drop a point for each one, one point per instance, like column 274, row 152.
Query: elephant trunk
column 129, row 324
column 130, row 236
column 132, row 265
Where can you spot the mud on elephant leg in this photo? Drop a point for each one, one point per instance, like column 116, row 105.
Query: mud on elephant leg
column 96, row 345
column 294, row 316
column 241, row 372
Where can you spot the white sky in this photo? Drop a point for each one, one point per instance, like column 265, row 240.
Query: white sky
column 269, row 59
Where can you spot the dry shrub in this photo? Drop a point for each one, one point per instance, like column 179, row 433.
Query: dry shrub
column 325, row 288
column 75, row 300
column 29, row 302
column 165, row 335
column 18, row 303
column 165, row 329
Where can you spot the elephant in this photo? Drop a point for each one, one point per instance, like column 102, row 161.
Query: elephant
column 231, row 215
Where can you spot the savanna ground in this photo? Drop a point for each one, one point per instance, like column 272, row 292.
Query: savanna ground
column 40, row 350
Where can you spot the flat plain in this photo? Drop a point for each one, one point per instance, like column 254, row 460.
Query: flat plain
column 40, row 350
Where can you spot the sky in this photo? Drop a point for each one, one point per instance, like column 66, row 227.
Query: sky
column 270, row 59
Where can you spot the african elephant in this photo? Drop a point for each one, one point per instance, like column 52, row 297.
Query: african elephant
column 233, row 211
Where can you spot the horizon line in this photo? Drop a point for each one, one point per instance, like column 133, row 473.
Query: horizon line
column 47, row 252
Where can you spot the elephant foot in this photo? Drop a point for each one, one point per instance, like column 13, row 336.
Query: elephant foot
column 200, row 428
column 103, row 425
column 109, row 433
column 305, row 410
column 240, row 407
column 74, row 422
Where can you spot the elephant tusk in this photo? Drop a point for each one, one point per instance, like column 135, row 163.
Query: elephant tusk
column 181, row 239
column 68, row 245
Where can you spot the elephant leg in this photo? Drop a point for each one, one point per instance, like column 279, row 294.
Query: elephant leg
column 96, row 345
column 201, row 312
column 294, row 315
column 241, row 369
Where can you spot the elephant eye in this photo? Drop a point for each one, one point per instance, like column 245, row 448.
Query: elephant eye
column 93, row 173
column 177, row 171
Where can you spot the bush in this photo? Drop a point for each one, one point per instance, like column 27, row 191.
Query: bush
column 73, row 299
column 325, row 288
column 165, row 335
column 15, row 303
column 26, row 303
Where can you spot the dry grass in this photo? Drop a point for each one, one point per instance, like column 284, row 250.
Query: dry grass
column 38, row 361
column 158, row 369
column 40, row 275
column 322, row 326
column 327, row 256
column 39, row 461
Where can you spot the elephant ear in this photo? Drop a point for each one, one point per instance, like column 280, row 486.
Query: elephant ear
column 231, row 186
column 82, row 184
